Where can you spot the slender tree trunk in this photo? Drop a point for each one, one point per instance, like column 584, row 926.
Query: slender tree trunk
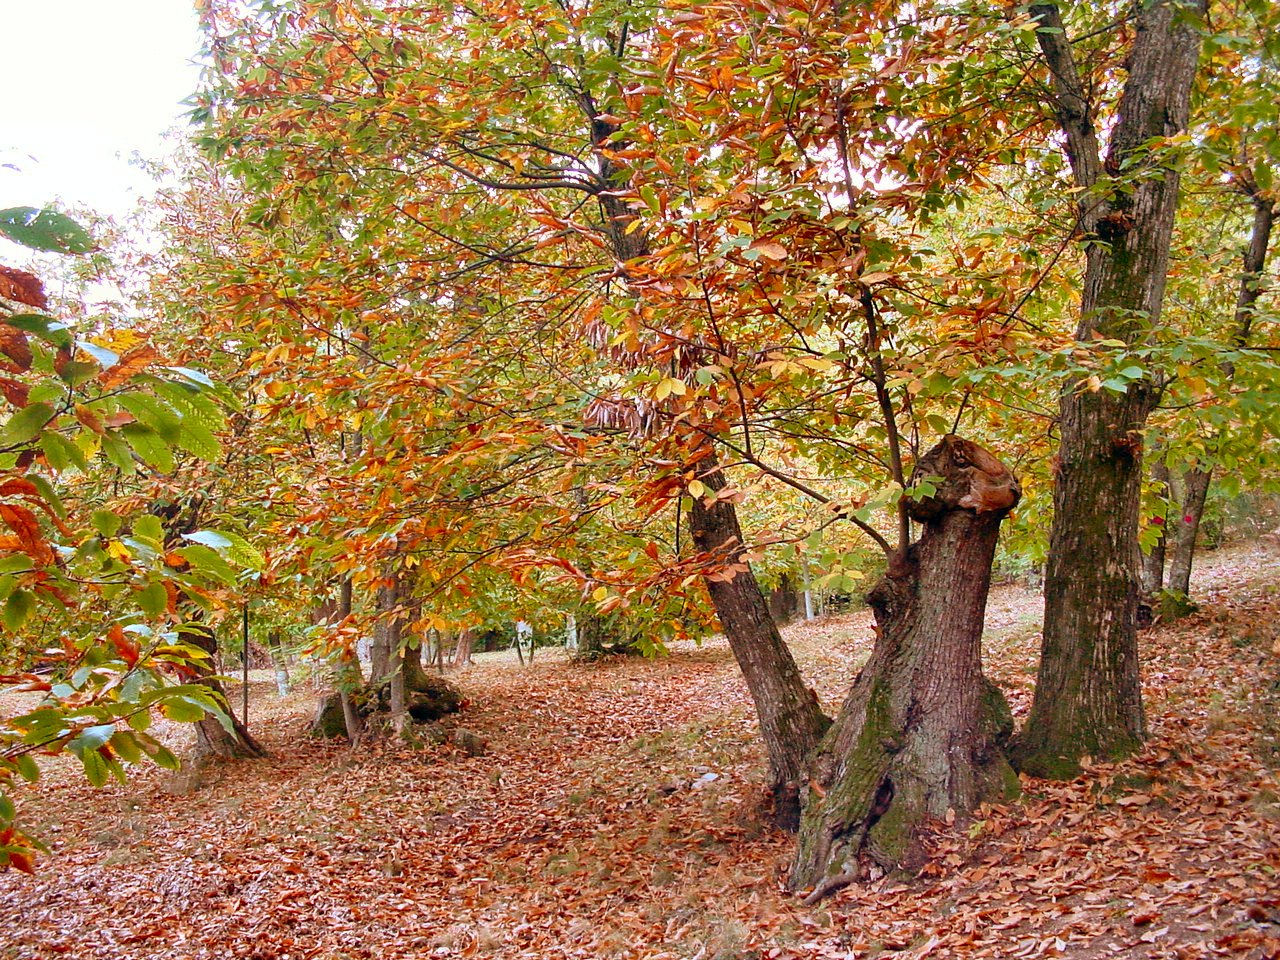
column 791, row 721
column 1186, row 527
column 213, row 738
column 348, row 674
column 1088, row 698
column 922, row 732
column 281, row 661
column 1153, row 562
column 1197, row 479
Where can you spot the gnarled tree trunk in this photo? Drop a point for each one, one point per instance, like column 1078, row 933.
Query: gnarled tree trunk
column 922, row 731
column 791, row 721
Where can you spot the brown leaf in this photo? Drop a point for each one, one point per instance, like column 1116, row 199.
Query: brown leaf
column 14, row 391
column 22, row 287
column 14, row 345
column 133, row 362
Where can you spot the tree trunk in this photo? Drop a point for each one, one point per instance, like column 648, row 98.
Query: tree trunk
column 791, row 721
column 466, row 646
column 386, row 629
column 1088, row 698
column 1153, row 562
column 213, row 739
column 415, row 675
column 1197, row 480
column 1185, row 528
column 281, row 661
column 921, row 734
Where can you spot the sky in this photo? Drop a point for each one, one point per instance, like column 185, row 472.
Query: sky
column 84, row 84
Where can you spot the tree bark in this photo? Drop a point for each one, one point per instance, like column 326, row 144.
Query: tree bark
column 1186, row 527
column 213, row 740
column 1088, row 698
column 921, row 733
column 791, row 721
column 466, row 646
column 385, row 647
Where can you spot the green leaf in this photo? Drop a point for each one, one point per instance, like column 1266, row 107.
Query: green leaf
column 155, row 413
column 95, row 767
column 183, row 710
column 150, row 527
column 150, row 446
column 27, row 768
column 17, row 609
column 62, row 453
column 126, row 746
column 153, row 599
column 50, row 495
column 106, row 522
column 118, row 453
column 25, row 424
column 7, row 810
column 44, row 230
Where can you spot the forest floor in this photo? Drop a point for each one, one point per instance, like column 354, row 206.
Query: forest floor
column 616, row 814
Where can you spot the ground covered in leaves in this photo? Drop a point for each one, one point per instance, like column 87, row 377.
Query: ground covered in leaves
column 616, row 814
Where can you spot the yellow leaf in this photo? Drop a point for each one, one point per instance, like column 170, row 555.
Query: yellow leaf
column 599, row 593
column 670, row 386
column 697, row 488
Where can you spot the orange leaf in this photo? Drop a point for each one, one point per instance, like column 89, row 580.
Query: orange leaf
column 89, row 418
column 20, row 861
column 133, row 362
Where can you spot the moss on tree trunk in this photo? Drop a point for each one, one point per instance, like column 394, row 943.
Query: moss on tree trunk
column 922, row 731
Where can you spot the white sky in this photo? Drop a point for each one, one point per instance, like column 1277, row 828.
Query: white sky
column 84, row 84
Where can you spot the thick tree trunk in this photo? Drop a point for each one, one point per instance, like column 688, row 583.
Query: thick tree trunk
column 922, row 732
column 213, row 740
column 791, row 721
column 415, row 675
column 1088, row 697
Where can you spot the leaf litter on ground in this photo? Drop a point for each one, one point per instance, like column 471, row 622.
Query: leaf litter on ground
column 617, row 814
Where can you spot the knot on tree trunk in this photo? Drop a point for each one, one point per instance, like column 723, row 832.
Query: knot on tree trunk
column 964, row 476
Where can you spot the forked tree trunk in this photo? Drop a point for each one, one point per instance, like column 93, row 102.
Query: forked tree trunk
column 791, row 721
column 213, row 739
column 922, row 731
column 1088, row 698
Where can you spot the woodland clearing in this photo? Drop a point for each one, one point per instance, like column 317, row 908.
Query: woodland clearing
column 616, row 813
